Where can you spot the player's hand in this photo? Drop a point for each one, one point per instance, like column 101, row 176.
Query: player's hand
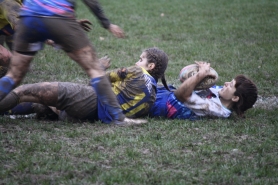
column 85, row 24
column 105, row 62
column 204, row 68
column 116, row 31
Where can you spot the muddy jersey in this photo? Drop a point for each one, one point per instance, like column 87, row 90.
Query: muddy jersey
column 207, row 103
column 61, row 8
column 135, row 90
column 9, row 12
column 201, row 103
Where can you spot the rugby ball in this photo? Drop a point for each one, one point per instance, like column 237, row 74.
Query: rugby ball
column 193, row 69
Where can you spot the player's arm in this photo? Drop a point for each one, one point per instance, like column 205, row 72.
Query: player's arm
column 187, row 87
column 96, row 8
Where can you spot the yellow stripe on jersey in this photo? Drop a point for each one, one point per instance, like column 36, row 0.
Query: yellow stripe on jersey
column 134, row 89
column 9, row 10
column 133, row 102
column 145, row 71
column 115, row 88
column 137, row 109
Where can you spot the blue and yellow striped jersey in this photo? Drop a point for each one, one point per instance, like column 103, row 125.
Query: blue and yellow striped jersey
column 9, row 10
column 135, row 90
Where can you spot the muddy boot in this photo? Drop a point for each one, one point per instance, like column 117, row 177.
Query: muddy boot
column 43, row 112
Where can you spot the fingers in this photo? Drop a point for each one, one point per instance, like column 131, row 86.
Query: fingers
column 86, row 27
column 86, row 21
column 85, row 24
column 202, row 63
column 204, row 68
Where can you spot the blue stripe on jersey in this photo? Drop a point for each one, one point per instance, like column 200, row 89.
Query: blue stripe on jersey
column 63, row 8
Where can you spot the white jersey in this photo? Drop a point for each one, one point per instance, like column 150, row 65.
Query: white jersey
column 203, row 106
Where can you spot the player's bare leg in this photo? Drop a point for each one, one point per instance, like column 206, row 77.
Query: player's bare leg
column 18, row 68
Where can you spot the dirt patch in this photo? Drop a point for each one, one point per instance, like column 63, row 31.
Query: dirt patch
column 270, row 102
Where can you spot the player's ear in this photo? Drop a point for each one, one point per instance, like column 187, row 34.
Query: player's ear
column 235, row 98
column 151, row 66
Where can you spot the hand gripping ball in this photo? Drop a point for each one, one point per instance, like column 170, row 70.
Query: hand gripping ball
column 193, row 69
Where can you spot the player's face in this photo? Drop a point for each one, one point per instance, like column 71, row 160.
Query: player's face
column 228, row 90
column 143, row 62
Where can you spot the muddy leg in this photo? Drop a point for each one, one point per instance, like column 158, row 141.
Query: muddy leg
column 18, row 67
column 44, row 93
column 87, row 59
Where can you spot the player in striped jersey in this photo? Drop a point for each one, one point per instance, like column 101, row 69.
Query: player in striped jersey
column 135, row 89
column 238, row 95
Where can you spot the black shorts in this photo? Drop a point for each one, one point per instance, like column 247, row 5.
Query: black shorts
column 32, row 32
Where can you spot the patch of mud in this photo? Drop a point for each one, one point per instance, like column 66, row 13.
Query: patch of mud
column 270, row 102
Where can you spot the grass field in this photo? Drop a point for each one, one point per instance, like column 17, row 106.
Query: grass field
column 236, row 37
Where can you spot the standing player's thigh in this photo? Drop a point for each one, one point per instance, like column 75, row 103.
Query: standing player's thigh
column 30, row 35
column 67, row 33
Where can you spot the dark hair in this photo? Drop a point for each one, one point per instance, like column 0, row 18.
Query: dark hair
column 160, row 59
column 247, row 92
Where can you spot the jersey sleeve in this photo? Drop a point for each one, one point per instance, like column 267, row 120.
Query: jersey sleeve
column 96, row 8
column 113, row 76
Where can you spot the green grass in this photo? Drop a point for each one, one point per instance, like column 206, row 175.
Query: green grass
column 237, row 37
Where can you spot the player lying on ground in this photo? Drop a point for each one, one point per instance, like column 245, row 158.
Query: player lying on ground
column 237, row 95
column 135, row 89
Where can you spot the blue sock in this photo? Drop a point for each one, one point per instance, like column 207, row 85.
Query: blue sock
column 108, row 107
column 6, row 85
column 21, row 109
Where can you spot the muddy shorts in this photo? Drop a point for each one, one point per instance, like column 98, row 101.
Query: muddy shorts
column 32, row 32
column 77, row 102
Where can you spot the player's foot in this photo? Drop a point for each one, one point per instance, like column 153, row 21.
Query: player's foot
column 129, row 121
column 43, row 112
